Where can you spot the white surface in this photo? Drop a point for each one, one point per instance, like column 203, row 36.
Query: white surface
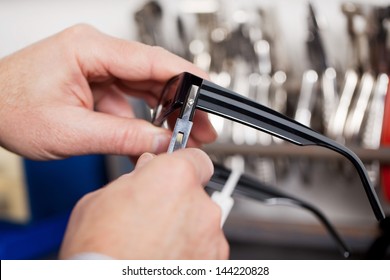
column 23, row 22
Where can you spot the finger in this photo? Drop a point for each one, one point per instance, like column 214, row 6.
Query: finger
column 147, row 96
column 144, row 159
column 202, row 130
column 100, row 55
column 147, row 88
column 89, row 132
column 133, row 61
column 139, row 67
column 200, row 162
column 185, row 166
column 108, row 99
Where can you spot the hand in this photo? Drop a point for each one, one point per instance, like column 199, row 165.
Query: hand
column 49, row 92
column 158, row 211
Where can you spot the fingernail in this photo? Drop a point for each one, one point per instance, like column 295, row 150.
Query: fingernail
column 161, row 142
column 143, row 159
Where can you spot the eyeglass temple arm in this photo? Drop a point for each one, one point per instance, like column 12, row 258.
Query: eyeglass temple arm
column 359, row 166
column 256, row 190
column 228, row 104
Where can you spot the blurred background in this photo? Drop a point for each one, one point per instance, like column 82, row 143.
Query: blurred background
column 322, row 63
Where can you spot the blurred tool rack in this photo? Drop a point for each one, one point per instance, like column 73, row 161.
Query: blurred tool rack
column 328, row 71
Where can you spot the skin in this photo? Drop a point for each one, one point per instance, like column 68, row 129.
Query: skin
column 168, row 218
column 65, row 96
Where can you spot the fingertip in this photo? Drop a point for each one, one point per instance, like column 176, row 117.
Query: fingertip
column 200, row 160
column 108, row 134
column 161, row 142
column 144, row 159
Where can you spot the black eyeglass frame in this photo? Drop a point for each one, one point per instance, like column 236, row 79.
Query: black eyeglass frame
column 249, row 187
column 223, row 102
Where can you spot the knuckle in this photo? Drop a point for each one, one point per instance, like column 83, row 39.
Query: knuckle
column 155, row 54
column 80, row 29
column 78, row 32
column 132, row 139
column 157, row 50
column 84, row 202
column 201, row 161
column 184, row 170
column 121, row 139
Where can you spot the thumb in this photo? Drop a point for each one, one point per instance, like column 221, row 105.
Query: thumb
column 96, row 132
column 144, row 159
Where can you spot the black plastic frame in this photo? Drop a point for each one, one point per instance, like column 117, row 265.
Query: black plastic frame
column 217, row 100
column 252, row 188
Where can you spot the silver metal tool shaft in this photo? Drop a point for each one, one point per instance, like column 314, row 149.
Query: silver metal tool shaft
column 183, row 125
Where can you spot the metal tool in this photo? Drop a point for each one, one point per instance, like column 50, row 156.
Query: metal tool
column 356, row 27
column 355, row 118
column 371, row 137
column 337, row 120
column 306, row 97
column 148, row 20
column 330, row 96
column 182, row 129
column 320, row 64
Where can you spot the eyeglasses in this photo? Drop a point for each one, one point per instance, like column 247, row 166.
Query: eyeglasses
column 188, row 92
column 252, row 188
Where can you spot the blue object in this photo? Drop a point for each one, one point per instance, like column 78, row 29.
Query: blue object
column 53, row 189
column 55, row 186
column 32, row 241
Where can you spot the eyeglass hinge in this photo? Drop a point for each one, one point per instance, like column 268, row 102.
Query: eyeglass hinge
column 183, row 126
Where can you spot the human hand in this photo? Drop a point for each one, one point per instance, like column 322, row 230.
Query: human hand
column 158, row 211
column 49, row 91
